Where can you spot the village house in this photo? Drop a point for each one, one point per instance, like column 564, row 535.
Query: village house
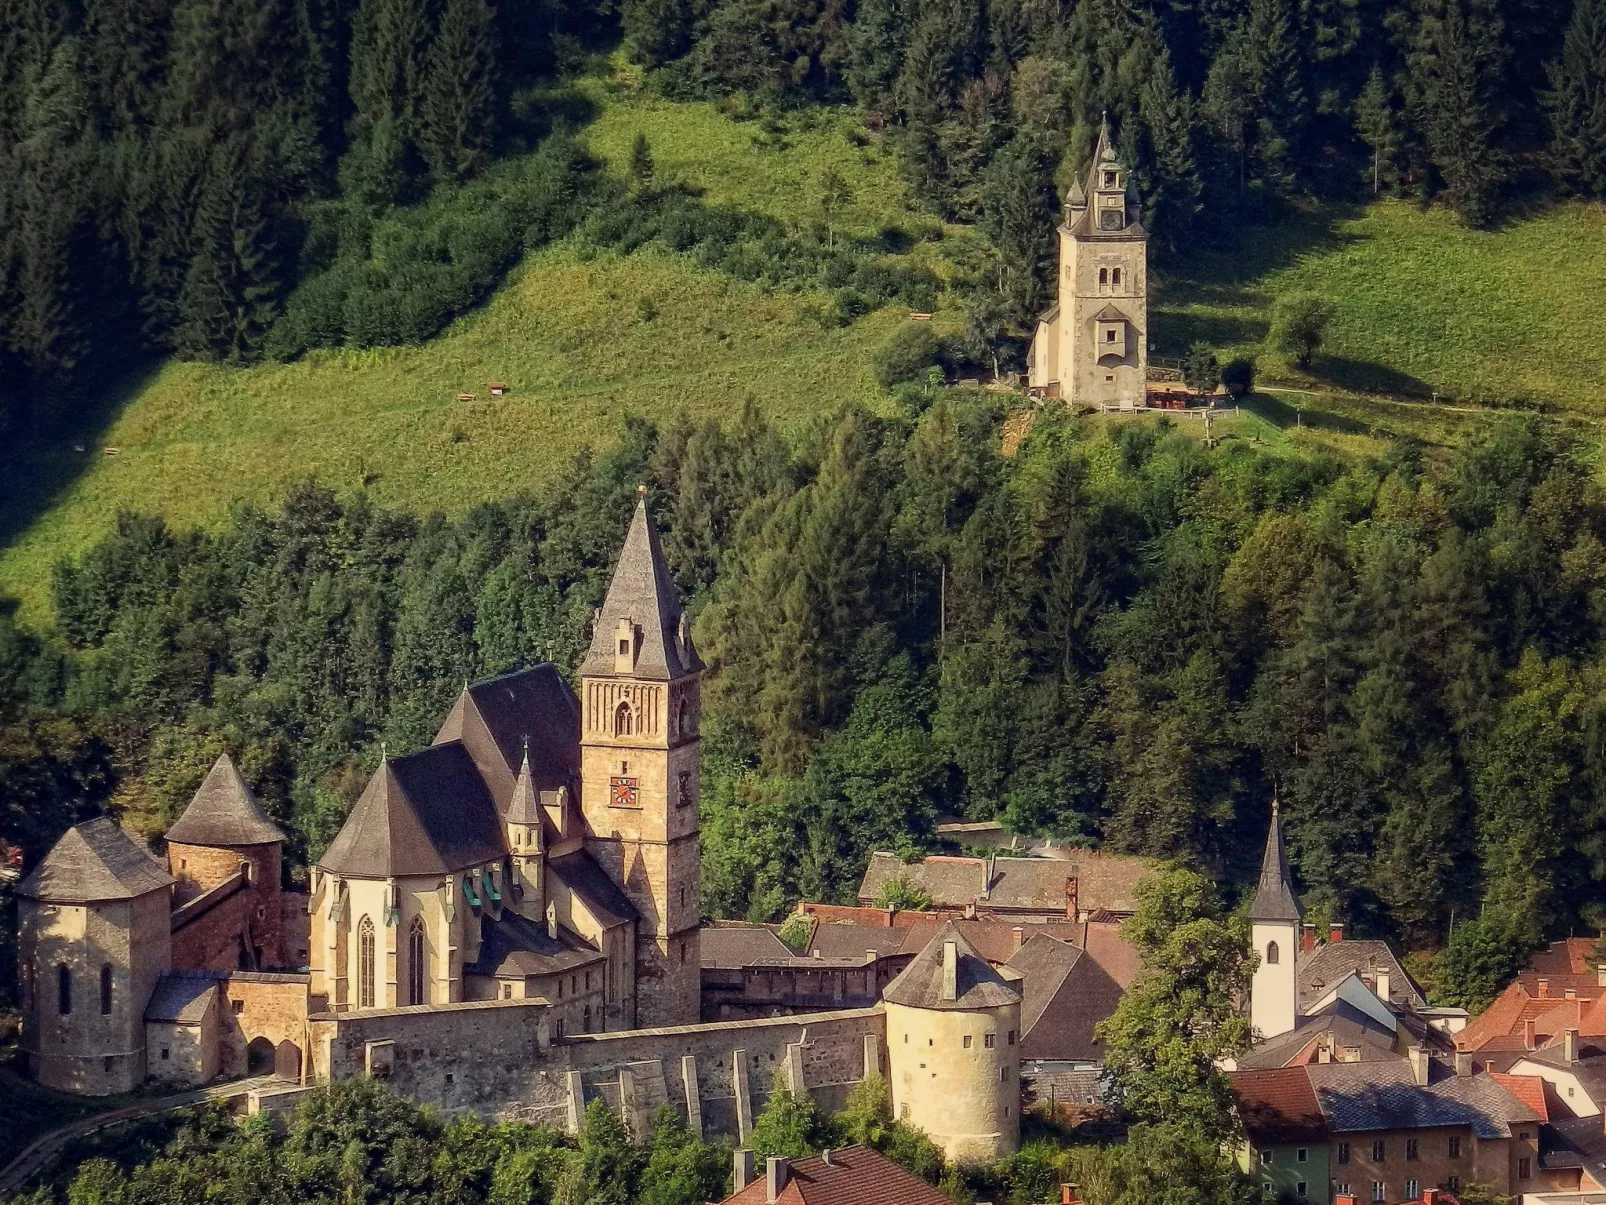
column 1085, row 884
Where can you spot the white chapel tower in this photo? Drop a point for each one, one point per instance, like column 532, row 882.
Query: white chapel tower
column 1274, row 919
column 1092, row 347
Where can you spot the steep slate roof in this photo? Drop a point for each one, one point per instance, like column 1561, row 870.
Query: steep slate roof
column 856, row 1175
column 730, row 947
column 493, row 720
column 1274, row 896
column 1349, row 1028
column 1575, row 1142
column 579, row 872
column 95, row 861
column 1103, row 881
column 1078, row 200
column 919, row 985
column 1278, row 1106
column 426, row 813
column 642, row 591
column 224, row 812
column 512, row 946
column 1360, row 1097
column 525, row 805
column 1065, row 993
column 182, row 997
column 1322, row 970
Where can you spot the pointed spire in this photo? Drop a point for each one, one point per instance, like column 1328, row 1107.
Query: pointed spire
column 1274, row 896
column 643, row 608
column 525, row 805
column 224, row 812
column 1076, row 198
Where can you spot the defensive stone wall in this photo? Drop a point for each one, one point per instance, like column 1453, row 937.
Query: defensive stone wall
column 498, row 1059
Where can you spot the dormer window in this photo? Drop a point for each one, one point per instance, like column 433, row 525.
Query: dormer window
column 625, row 642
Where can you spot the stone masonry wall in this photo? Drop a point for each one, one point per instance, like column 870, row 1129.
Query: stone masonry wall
column 498, row 1059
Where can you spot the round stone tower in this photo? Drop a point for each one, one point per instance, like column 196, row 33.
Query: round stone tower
column 953, row 1050
column 92, row 942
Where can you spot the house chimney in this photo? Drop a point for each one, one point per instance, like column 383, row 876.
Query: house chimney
column 1463, row 1062
column 743, row 1174
column 1571, row 993
column 1344, row 1198
column 950, row 970
column 1383, row 986
column 1069, row 1195
column 1600, row 975
column 886, row 917
column 776, row 1171
column 552, row 920
column 819, row 953
column 1307, row 938
column 1430, row 1196
column 987, row 883
column 1017, row 937
column 1419, row 1066
column 1544, row 988
column 1569, row 1044
column 1528, row 1034
column 869, row 956
column 1072, row 907
column 1335, row 934
column 970, row 910
column 825, row 1157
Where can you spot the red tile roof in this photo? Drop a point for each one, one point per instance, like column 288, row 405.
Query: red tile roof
column 1501, row 1025
column 1278, row 1106
column 1529, row 1089
column 855, row 1175
column 1574, row 956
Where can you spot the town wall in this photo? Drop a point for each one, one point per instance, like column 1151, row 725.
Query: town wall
column 499, row 1059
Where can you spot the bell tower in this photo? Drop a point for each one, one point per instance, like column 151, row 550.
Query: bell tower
column 1274, row 919
column 641, row 699
column 1092, row 347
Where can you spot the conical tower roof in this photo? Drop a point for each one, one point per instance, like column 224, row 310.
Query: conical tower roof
column 643, row 592
column 1274, row 897
column 978, row 986
column 525, row 806
column 224, row 812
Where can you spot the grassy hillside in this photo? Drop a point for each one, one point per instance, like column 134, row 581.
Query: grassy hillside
column 1423, row 304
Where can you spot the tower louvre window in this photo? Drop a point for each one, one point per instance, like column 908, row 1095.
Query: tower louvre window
column 622, row 720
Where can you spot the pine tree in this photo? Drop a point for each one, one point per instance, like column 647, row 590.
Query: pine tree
column 1456, row 65
column 1577, row 101
column 656, row 31
column 877, row 40
column 1018, row 207
column 457, row 115
column 1376, row 123
column 1276, row 73
column 230, row 293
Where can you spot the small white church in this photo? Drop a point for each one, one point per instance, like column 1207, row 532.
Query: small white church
column 1092, row 347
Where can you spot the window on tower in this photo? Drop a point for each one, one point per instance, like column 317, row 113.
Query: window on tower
column 621, row 720
column 1115, row 276
column 1109, row 179
column 1104, row 276
column 1109, row 336
column 1272, row 954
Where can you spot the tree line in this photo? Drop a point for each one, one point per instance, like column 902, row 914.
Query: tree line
column 1121, row 639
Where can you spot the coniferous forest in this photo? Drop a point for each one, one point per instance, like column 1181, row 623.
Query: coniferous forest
column 237, row 181
column 1127, row 639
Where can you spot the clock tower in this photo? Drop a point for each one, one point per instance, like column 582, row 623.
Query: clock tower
column 641, row 701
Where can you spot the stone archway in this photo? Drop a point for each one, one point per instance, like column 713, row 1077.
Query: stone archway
column 287, row 1061
column 260, row 1056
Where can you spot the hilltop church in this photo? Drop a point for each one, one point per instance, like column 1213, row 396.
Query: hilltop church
column 1092, row 346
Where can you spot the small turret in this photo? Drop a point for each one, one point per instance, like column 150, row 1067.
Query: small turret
column 526, row 842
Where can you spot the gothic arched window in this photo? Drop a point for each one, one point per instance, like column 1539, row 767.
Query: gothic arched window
column 621, row 720
column 106, row 990
column 1272, row 954
column 365, row 964
column 64, row 989
column 417, row 963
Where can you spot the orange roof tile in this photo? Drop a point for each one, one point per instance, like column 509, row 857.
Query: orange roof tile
column 856, row 1175
column 1529, row 1089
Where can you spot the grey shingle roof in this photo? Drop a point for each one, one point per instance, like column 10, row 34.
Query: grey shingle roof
column 1349, row 1027
column 579, row 872
column 182, row 996
column 426, row 813
column 525, row 806
column 643, row 592
column 493, row 719
column 512, row 945
column 1103, row 881
column 95, row 861
column 729, row 947
column 919, row 985
column 224, row 812
column 1274, row 896
column 1320, row 972
column 1360, row 1097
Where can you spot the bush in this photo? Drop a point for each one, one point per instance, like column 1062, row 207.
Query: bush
column 1201, row 370
column 1298, row 325
column 904, row 894
column 1239, row 378
column 906, row 355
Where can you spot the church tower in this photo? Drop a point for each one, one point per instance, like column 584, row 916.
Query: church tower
column 1274, row 919
column 641, row 698
column 1092, row 347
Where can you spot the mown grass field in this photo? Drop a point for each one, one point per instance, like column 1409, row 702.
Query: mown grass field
column 1423, row 305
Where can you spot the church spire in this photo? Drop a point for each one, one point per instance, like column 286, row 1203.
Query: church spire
column 1274, row 896
column 639, row 630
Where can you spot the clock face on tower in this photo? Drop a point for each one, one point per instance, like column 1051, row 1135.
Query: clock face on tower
column 623, row 793
column 1111, row 219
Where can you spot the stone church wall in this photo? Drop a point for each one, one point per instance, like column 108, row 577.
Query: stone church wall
column 498, row 1059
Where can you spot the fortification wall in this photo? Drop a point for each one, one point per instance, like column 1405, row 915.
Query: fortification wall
column 498, row 1059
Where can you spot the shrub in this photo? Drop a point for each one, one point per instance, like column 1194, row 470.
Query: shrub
column 906, row 355
column 1239, row 377
column 902, row 893
column 1201, row 370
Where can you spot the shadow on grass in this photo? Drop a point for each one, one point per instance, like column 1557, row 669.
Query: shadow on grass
column 44, row 468
column 1364, row 376
column 1175, row 331
column 1286, row 414
column 1248, row 252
